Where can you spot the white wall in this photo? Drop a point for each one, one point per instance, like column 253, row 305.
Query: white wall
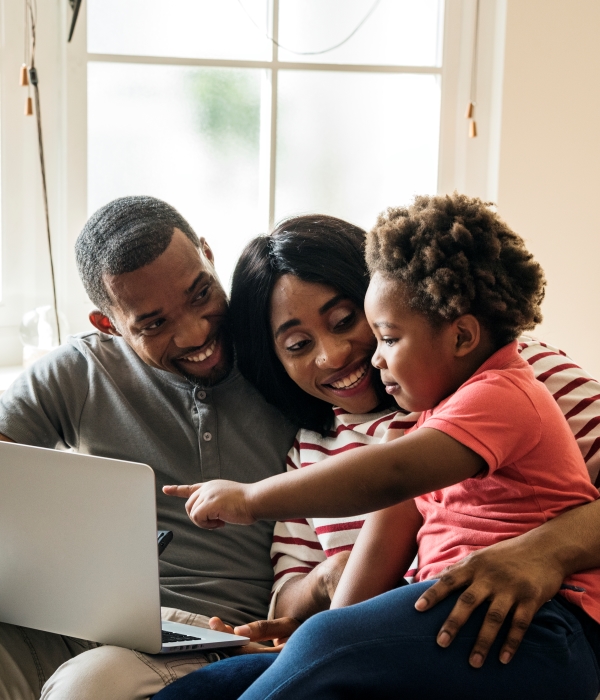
column 549, row 164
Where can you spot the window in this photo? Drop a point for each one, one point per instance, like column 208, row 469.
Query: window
column 191, row 102
column 188, row 100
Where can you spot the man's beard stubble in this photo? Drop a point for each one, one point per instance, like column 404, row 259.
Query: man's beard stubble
column 218, row 373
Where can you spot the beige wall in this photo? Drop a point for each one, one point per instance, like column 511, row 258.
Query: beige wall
column 549, row 167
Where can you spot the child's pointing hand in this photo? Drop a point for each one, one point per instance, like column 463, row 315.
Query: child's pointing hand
column 215, row 503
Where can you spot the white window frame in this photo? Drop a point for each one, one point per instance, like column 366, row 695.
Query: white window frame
column 469, row 165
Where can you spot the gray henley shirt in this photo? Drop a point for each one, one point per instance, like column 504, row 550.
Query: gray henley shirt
column 95, row 395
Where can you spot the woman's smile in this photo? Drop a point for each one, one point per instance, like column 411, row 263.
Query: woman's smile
column 351, row 381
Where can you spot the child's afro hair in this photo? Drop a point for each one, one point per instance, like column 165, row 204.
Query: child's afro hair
column 456, row 256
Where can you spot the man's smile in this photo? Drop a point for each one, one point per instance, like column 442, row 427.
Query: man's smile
column 202, row 355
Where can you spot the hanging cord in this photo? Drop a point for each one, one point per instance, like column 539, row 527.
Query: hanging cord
column 31, row 17
column 470, row 113
column 312, row 53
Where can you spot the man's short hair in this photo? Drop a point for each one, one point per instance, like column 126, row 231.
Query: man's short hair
column 122, row 236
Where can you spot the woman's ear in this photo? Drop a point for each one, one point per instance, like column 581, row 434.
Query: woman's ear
column 467, row 334
column 102, row 323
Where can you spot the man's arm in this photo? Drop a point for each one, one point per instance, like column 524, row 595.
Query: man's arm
column 42, row 407
column 520, row 574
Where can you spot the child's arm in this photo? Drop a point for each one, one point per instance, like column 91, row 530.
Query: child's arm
column 385, row 547
column 355, row 482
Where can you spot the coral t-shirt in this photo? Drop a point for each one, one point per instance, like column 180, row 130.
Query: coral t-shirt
column 535, row 470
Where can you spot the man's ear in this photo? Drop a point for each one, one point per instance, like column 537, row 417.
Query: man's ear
column 205, row 248
column 467, row 334
column 102, row 323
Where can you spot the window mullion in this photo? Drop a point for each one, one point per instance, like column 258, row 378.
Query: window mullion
column 273, row 142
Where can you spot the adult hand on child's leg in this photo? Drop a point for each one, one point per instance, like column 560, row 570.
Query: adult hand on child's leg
column 513, row 576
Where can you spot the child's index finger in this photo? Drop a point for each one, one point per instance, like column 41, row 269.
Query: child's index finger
column 181, row 491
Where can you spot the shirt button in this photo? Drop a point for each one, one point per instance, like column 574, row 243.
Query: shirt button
column 207, row 437
column 201, row 395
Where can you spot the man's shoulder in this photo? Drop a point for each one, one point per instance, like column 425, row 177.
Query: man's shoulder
column 111, row 353
column 93, row 344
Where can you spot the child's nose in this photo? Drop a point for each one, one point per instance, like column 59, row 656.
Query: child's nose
column 377, row 360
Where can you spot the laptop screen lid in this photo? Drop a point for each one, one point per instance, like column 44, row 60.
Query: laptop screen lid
column 78, row 552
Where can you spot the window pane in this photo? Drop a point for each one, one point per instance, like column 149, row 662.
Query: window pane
column 189, row 136
column 352, row 144
column 180, row 28
column 399, row 32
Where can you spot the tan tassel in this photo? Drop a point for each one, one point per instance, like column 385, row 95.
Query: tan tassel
column 469, row 112
column 472, row 129
column 29, row 107
column 24, row 76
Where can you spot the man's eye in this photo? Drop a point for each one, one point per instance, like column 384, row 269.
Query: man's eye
column 155, row 324
column 202, row 293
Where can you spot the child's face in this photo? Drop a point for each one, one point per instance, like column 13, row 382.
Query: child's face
column 416, row 358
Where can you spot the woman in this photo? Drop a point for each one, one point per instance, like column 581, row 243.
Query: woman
column 303, row 340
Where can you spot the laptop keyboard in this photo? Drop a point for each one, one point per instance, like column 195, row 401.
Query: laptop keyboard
column 176, row 637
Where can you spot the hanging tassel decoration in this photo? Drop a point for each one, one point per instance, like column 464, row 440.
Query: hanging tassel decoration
column 470, row 113
column 24, row 82
column 30, row 27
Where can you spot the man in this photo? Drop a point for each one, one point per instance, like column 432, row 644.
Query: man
column 154, row 383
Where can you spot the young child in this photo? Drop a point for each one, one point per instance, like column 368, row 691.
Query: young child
column 490, row 458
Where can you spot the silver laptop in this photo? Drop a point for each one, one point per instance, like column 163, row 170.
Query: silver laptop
column 78, row 552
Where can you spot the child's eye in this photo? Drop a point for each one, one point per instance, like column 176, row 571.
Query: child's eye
column 389, row 341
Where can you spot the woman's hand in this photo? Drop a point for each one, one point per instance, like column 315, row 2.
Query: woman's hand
column 277, row 631
column 513, row 577
column 215, row 503
column 307, row 595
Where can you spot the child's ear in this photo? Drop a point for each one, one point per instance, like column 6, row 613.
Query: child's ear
column 467, row 334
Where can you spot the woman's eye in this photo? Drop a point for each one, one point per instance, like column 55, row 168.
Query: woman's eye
column 346, row 321
column 294, row 347
column 342, row 319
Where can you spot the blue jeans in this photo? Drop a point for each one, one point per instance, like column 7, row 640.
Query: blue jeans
column 384, row 648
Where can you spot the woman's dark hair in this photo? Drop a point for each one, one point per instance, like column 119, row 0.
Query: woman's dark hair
column 317, row 249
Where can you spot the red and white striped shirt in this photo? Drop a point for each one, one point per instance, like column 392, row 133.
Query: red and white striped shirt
column 299, row 545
